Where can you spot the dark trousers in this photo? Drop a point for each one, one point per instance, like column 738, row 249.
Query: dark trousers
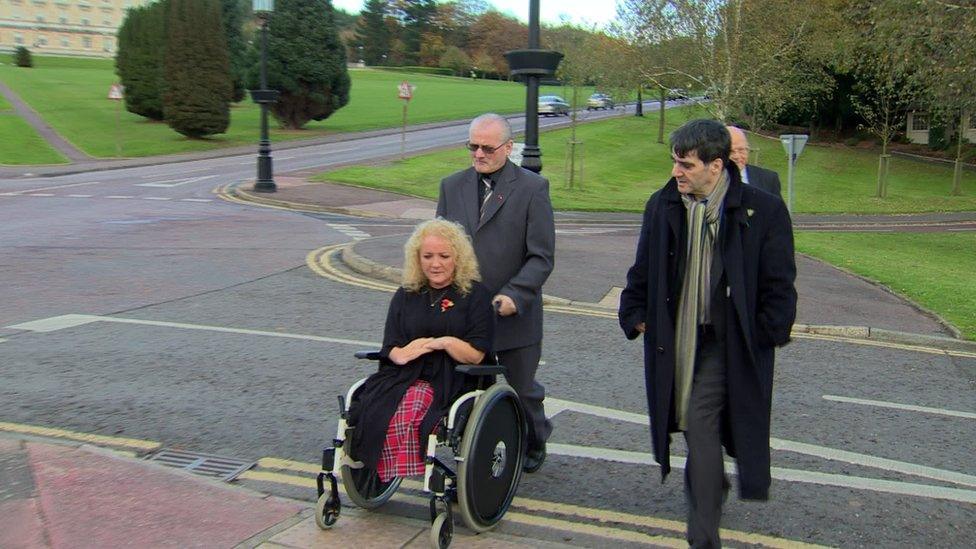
column 521, row 364
column 705, row 482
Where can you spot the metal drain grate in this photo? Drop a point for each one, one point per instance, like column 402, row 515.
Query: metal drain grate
column 226, row 469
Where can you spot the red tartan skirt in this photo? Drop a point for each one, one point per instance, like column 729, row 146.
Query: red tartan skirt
column 401, row 455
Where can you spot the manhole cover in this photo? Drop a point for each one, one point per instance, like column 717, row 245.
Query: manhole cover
column 226, row 469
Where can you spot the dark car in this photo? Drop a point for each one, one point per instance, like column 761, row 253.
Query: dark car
column 599, row 101
column 553, row 105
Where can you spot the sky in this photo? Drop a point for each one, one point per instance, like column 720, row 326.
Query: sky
column 580, row 12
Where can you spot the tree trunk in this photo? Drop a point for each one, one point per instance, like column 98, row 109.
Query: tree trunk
column 663, row 98
column 957, row 167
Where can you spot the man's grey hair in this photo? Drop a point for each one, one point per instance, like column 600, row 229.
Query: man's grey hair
column 493, row 118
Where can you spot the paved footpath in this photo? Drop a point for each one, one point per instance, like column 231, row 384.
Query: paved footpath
column 60, row 495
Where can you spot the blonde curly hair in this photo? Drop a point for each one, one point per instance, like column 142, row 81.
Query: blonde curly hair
column 465, row 262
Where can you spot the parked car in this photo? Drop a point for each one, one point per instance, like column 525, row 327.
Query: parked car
column 599, row 101
column 675, row 94
column 553, row 105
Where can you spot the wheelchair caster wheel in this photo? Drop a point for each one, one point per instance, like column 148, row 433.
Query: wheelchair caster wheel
column 326, row 512
column 441, row 532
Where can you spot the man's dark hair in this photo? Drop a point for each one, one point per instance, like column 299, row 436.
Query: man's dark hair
column 708, row 138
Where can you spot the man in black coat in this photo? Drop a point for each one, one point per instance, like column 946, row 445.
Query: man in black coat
column 507, row 212
column 767, row 180
column 712, row 290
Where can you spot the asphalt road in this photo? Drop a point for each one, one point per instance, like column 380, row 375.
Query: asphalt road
column 202, row 326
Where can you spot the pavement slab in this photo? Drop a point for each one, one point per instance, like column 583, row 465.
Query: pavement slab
column 123, row 502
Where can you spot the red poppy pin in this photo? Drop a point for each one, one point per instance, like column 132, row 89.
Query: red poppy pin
column 446, row 304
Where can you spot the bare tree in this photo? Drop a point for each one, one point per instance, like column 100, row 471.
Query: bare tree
column 741, row 52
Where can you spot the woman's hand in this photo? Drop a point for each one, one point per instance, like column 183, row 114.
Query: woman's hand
column 411, row 351
column 460, row 350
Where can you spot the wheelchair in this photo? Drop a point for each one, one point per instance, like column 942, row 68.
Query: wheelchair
column 485, row 430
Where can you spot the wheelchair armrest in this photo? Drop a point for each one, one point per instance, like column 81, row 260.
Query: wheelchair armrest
column 368, row 355
column 480, row 369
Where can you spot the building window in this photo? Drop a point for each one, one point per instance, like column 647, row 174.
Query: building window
column 86, row 42
column 18, row 39
column 85, row 22
column 40, row 18
column 920, row 122
column 41, row 41
column 65, row 42
column 63, row 20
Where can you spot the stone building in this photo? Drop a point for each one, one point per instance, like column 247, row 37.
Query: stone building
column 63, row 27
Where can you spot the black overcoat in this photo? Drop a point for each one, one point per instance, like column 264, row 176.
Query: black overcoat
column 756, row 242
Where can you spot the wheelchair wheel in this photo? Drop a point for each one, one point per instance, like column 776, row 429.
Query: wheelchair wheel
column 492, row 451
column 441, row 532
column 364, row 487
column 326, row 512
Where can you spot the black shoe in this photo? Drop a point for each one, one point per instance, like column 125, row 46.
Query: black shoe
column 534, row 459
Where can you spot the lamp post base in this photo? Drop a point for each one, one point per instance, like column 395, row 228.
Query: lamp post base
column 265, row 181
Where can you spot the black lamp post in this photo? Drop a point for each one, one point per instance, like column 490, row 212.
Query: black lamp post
column 532, row 63
column 264, row 97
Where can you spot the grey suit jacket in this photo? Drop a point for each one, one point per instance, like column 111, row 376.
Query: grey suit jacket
column 764, row 179
column 514, row 242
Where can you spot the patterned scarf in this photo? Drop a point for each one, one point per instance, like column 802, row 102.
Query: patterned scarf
column 703, row 226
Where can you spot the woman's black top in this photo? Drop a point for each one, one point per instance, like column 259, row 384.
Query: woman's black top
column 427, row 313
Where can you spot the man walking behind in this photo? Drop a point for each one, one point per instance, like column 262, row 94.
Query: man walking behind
column 507, row 212
column 712, row 291
column 767, row 180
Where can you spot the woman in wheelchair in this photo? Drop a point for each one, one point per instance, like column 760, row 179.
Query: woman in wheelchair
column 441, row 316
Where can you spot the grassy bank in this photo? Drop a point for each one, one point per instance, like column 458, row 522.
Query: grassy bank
column 623, row 164
column 22, row 145
column 935, row 270
column 70, row 94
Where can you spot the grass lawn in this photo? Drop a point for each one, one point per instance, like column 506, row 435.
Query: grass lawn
column 71, row 96
column 27, row 146
column 4, row 106
column 935, row 270
column 623, row 165
column 835, row 179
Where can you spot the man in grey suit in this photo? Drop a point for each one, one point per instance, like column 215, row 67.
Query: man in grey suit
column 761, row 178
column 507, row 212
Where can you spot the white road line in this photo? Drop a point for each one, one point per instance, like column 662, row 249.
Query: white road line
column 80, row 195
column 69, row 321
column 196, row 200
column 896, row 406
column 156, row 198
column 40, row 194
column 62, row 186
column 119, row 196
column 779, row 473
column 181, row 172
column 169, row 183
column 555, row 406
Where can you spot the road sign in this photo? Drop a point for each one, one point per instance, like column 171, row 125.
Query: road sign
column 116, row 91
column 793, row 143
column 405, row 90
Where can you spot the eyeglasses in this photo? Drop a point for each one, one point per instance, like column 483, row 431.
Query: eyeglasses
column 487, row 149
column 741, row 150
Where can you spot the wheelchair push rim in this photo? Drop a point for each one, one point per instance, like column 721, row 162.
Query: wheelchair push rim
column 492, row 453
column 364, row 488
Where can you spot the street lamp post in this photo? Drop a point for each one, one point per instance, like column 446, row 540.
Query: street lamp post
column 264, row 97
column 532, row 63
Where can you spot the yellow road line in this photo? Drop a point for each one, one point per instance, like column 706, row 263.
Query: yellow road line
column 320, row 262
column 533, row 506
column 138, row 444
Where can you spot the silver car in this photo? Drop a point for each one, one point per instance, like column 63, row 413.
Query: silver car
column 553, row 105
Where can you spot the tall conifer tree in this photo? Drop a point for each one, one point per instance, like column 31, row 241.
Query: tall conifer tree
column 197, row 70
column 306, row 62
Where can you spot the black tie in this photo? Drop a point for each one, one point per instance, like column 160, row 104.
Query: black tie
column 484, row 191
